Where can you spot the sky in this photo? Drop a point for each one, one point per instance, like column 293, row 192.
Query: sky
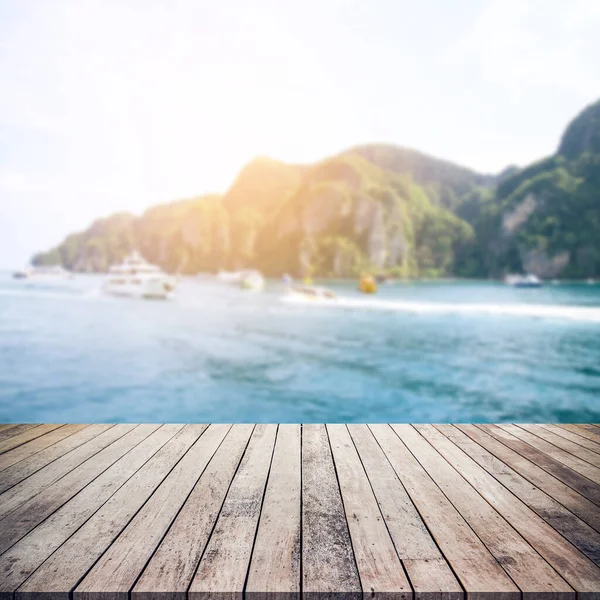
column 112, row 105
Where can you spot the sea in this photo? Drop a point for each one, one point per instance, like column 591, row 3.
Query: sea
column 438, row 351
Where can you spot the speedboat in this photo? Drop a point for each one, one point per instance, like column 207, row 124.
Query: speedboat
column 252, row 280
column 523, row 281
column 312, row 292
column 49, row 273
column 135, row 277
column 229, row 276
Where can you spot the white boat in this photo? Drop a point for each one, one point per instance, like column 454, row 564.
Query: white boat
column 44, row 273
column 251, row 280
column 229, row 276
column 523, row 281
column 135, row 277
column 312, row 292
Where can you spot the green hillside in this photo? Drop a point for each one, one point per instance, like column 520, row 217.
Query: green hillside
column 545, row 218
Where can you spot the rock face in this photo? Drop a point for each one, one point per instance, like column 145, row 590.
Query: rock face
column 543, row 265
column 517, row 217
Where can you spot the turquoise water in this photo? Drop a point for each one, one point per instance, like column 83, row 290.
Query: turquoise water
column 421, row 352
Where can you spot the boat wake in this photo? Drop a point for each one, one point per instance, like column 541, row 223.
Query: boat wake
column 50, row 293
column 574, row 313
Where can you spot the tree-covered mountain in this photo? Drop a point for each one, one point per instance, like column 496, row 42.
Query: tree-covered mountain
column 545, row 218
column 376, row 207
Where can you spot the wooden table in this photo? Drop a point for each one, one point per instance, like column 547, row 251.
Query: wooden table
column 109, row 512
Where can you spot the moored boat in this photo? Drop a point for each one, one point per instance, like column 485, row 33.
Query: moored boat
column 523, row 281
column 229, row 276
column 135, row 277
column 49, row 273
column 252, row 280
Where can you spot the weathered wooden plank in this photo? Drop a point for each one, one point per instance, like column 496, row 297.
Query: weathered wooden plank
column 5, row 426
column 579, row 505
column 480, row 574
column 20, row 471
column 428, row 572
column 81, row 547
column 578, row 482
column 379, row 567
column 462, row 452
column 586, row 469
column 589, row 427
column 118, row 569
column 574, row 437
column 34, row 446
column 559, row 441
column 27, row 516
column 411, row 537
column 527, row 569
column 170, row 571
column 275, row 565
column 26, row 436
column 13, row 430
column 590, row 432
column 328, row 566
column 432, row 579
column 39, row 481
column 224, row 565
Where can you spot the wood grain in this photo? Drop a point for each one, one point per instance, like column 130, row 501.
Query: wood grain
column 118, row 569
column 224, row 566
column 267, row 512
column 529, row 571
column 575, row 568
column 578, row 482
column 275, row 567
column 561, row 442
column 27, row 467
column 579, row 505
column 480, row 574
column 329, row 569
column 591, row 433
column 13, row 430
column 566, row 458
column 171, row 569
column 429, row 573
column 35, row 484
column 379, row 567
column 75, row 536
column 574, row 437
column 24, row 518
column 34, row 446
column 25, row 436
